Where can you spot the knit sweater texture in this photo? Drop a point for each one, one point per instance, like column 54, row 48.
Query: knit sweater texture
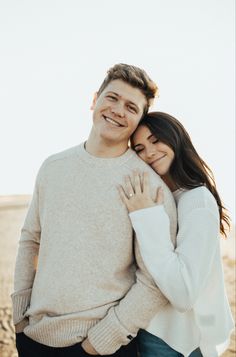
column 90, row 280
column 189, row 273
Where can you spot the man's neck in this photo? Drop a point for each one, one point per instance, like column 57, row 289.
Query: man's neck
column 100, row 148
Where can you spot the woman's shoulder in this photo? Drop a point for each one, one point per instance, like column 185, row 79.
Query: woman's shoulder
column 195, row 199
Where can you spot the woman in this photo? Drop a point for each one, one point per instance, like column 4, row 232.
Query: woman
column 197, row 321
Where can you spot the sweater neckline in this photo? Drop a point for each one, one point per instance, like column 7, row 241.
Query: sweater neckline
column 103, row 161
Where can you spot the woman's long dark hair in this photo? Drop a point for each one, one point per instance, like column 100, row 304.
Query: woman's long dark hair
column 187, row 170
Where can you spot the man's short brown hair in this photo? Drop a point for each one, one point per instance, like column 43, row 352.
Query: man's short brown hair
column 134, row 76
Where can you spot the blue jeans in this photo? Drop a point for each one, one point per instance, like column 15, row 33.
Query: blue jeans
column 152, row 346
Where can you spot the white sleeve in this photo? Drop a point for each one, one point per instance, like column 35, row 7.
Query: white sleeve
column 179, row 272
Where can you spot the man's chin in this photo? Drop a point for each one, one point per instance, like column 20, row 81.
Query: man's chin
column 115, row 139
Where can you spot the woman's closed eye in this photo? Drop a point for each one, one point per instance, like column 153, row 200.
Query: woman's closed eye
column 153, row 140
column 138, row 149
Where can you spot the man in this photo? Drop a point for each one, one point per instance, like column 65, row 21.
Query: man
column 88, row 295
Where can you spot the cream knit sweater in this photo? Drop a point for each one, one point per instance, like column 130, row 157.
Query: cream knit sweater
column 86, row 282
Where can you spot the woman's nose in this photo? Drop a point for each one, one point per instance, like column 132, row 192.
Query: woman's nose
column 150, row 153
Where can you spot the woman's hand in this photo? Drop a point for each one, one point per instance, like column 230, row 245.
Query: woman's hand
column 135, row 193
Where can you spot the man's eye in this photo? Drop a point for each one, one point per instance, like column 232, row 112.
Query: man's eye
column 111, row 97
column 155, row 141
column 132, row 109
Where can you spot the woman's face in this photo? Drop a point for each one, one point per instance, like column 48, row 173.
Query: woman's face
column 154, row 152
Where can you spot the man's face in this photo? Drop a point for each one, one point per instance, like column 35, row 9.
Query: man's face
column 117, row 111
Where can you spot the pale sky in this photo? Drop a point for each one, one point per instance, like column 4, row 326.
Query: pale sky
column 54, row 55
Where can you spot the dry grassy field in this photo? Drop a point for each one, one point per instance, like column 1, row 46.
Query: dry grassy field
column 12, row 213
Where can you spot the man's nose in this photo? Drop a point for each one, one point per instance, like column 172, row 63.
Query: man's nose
column 118, row 109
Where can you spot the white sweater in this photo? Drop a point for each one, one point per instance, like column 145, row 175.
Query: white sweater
column 190, row 275
column 85, row 283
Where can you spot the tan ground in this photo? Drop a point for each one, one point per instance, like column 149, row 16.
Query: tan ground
column 12, row 213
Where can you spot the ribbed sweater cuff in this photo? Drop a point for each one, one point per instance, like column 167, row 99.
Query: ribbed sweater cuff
column 108, row 335
column 20, row 301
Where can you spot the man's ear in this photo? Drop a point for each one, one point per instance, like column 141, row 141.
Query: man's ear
column 95, row 97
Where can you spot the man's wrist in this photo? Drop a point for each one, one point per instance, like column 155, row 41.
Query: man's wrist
column 86, row 345
column 21, row 325
column 108, row 335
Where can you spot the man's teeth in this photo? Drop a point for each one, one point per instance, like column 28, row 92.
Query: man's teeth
column 112, row 121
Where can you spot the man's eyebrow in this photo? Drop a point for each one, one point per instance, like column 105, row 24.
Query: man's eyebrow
column 110, row 91
column 129, row 101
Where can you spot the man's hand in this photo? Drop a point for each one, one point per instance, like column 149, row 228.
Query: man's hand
column 86, row 345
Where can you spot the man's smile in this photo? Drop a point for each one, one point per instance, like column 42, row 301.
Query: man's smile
column 112, row 121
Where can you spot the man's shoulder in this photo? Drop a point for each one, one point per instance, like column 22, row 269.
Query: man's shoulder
column 62, row 155
column 57, row 158
column 135, row 163
column 155, row 180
